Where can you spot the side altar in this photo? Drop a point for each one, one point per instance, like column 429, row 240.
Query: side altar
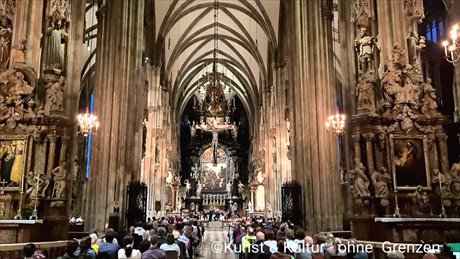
column 402, row 187
column 35, row 135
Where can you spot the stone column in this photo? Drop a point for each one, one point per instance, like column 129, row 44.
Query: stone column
column 283, row 164
column 315, row 160
column 442, row 141
column 357, row 146
column 453, row 9
column 153, row 125
column 392, row 28
column 28, row 26
column 63, row 151
column 118, row 81
column 368, row 137
column 52, row 153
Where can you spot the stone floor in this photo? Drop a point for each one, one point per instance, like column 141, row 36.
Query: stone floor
column 215, row 243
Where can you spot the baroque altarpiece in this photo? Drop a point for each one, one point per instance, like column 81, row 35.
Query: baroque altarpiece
column 35, row 133
column 401, row 170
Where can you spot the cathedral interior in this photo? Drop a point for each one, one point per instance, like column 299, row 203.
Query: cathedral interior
column 338, row 116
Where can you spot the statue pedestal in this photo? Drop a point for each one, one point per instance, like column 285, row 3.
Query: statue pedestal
column 23, row 231
column 404, row 230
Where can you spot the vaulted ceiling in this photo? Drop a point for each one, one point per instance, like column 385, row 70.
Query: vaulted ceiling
column 246, row 41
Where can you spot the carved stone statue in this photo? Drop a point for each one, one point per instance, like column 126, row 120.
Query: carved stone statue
column 235, row 130
column 391, row 85
column 228, row 188
column 455, row 176
column 260, row 176
column 429, row 104
column 193, row 129
column 54, row 85
column 398, row 55
column 443, row 182
column 411, row 93
column 6, row 34
column 365, row 93
column 17, row 101
column 54, row 48
column 240, row 188
column 250, row 207
column 361, row 182
column 380, row 181
column 188, row 186
column 38, row 183
column 421, row 203
column 268, row 210
column 18, row 52
column 365, row 49
column 157, row 152
column 199, row 189
column 415, row 45
column 59, row 179
column 169, row 178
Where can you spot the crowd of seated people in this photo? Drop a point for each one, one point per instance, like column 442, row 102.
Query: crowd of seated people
column 155, row 239
column 173, row 238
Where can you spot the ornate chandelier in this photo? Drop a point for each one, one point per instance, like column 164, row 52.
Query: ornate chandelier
column 87, row 123
column 451, row 46
column 215, row 102
column 336, row 124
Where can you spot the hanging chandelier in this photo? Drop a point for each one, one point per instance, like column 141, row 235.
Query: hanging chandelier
column 87, row 123
column 452, row 51
column 214, row 102
column 336, row 124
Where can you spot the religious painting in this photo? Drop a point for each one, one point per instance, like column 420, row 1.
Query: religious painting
column 410, row 162
column 13, row 150
column 214, row 176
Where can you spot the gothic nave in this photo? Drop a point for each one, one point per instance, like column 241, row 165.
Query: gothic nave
column 324, row 121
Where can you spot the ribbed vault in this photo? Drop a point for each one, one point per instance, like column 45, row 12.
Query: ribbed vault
column 247, row 33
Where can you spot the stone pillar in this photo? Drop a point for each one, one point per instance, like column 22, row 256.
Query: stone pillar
column 442, row 141
column 63, row 151
column 392, row 29
column 357, row 147
column 453, row 9
column 52, row 153
column 283, row 164
column 118, row 80
column 28, row 27
column 154, row 133
column 368, row 137
column 315, row 159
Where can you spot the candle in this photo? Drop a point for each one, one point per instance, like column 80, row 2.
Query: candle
column 452, row 49
column 445, row 43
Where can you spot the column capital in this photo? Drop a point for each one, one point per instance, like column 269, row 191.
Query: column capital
column 441, row 137
column 52, row 137
column 279, row 64
column 356, row 137
column 368, row 136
